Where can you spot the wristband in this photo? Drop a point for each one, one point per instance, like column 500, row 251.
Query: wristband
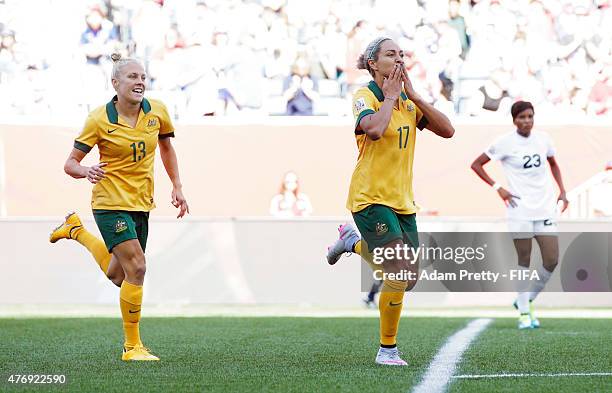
column 389, row 98
column 496, row 186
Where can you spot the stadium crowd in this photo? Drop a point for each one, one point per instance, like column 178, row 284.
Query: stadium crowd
column 274, row 57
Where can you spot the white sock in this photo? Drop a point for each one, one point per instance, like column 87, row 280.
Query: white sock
column 538, row 285
column 522, row 287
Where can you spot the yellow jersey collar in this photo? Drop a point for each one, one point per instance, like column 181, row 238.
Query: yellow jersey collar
column 113, row 116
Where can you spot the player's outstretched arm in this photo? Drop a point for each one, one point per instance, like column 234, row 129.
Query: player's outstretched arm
column 437, row 122
column 168, row 156
column 74, row 168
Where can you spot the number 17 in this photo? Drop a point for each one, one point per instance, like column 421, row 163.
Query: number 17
column 400, row 136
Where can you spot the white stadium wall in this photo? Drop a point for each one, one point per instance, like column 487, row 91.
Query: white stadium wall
column 228, row 261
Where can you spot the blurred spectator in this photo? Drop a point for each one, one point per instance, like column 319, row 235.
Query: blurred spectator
column 457, row 23
column 600, row 97
column 224, row 57
column 290, row 202
column 300, row 89
column 98, row 41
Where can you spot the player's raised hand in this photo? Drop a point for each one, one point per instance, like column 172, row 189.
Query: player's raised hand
column 507, row 197
column 408, row 89
column 392, row 85
column 95, row 173
column 178, row 200
column 563, row 198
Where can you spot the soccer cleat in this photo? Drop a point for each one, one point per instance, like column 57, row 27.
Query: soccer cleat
column 534, row 321
column 389, row 357
column 524, row 322
column 138, row 353
column 348, row 236
column 67, row 229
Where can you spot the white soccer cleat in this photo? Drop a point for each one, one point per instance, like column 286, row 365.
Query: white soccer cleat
column 389, row 357
column 348, row 236
column 525, row 322
column 534, row 321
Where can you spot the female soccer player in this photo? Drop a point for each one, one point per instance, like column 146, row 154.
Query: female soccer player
column 530, row 200
column 388, row 112
column 127, row 131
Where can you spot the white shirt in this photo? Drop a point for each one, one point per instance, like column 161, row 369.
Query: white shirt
column 524, row 161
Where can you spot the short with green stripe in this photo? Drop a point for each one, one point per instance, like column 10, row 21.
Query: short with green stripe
column 379, row 225
column 118, row 226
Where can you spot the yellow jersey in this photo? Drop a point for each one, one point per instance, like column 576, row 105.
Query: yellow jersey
column 129, row 154
column 383, row 175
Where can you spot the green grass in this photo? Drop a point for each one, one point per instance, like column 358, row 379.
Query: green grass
column 295, row 354
column 220, row 354
column 560, row 346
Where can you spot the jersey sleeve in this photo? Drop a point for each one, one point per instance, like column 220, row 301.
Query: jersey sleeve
column 496, row 150
column 550, row 147
column 166, row 129
column 88, row 137
column 363, row 105
column 420, row 119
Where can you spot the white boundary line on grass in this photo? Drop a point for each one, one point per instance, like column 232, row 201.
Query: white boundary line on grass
column 442, row 367
column 478, row 376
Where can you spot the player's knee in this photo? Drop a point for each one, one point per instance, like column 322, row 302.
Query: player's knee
column 550, row 264
column 136, row 267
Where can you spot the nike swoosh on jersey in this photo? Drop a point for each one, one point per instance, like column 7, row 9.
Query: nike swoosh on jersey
column 111, row 131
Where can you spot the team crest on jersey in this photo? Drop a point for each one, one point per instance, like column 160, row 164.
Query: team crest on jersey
column 120, row 226
column 152, row 123
column 359, row 104
column 381, row 228
column 410, row 107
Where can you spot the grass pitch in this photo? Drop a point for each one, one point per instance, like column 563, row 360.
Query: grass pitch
column 297, row 354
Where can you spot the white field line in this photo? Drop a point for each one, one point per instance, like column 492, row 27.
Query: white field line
column 479, row 376
column 442, row 367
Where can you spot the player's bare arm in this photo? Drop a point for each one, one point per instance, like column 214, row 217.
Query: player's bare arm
column 478, row 167
column 73, row 167
column 374, row 125
column 437, row 122
column 168, row 156
column 556, row 172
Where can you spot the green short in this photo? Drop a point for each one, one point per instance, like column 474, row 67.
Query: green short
column 379, row 225
column 117, row 226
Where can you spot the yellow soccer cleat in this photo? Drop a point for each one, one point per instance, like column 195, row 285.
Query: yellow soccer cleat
column 138, row 353
column 67, row 229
